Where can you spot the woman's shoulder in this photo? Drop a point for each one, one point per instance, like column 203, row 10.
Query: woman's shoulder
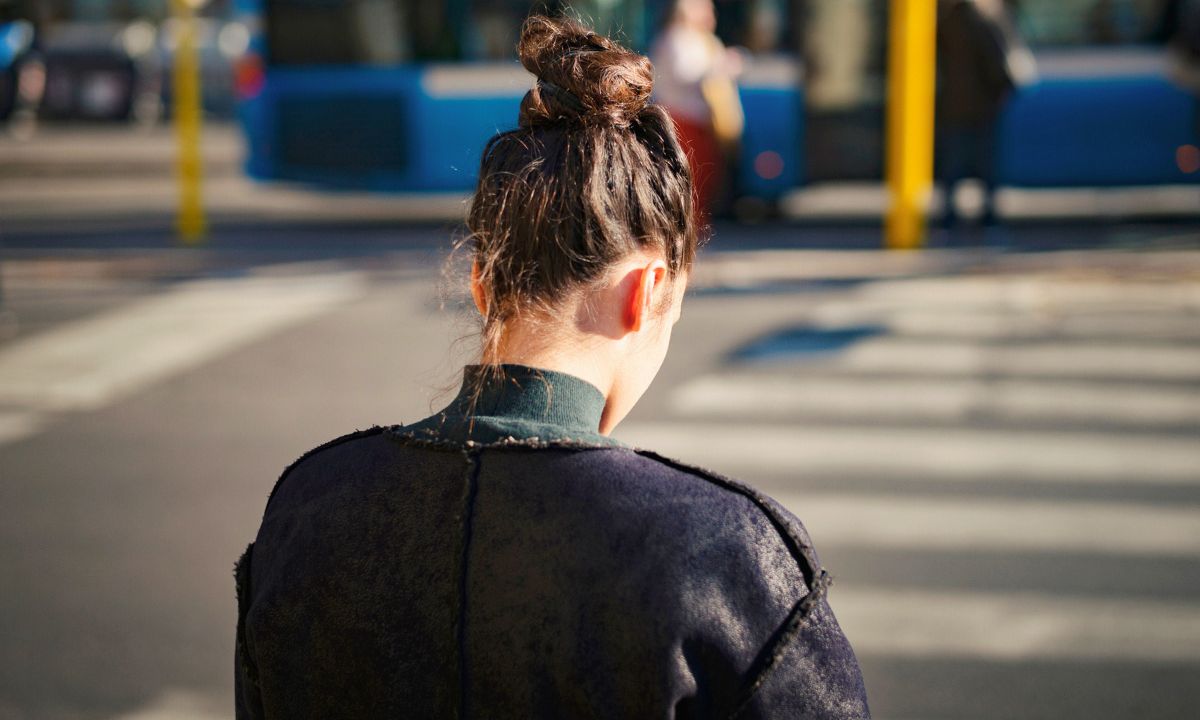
column 693, row 504
column 331, row 450
column 752, row 514
column 629, row 467
column 674, row 508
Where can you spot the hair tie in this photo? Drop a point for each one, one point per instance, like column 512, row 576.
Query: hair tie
column 566, row 97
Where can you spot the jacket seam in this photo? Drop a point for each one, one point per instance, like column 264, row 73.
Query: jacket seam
column 466, row 519
column 796, row 547
column 817, row 579
column 778, row 645
column 808, row 568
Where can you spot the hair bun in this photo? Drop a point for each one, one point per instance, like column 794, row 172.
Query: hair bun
column 581, row 75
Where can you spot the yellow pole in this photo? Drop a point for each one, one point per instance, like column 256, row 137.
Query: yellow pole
column 185, row 97
column 912, row 47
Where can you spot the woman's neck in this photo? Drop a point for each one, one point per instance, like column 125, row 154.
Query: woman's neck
column 580, row 359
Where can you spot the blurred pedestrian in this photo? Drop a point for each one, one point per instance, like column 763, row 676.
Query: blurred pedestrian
column 695, row 80
column 1179, row 29
column 506, row 558
column 975, row 79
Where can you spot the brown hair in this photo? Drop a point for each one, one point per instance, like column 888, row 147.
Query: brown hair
column 592, row 173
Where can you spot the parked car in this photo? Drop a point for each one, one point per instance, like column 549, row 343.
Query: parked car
column 91, row 73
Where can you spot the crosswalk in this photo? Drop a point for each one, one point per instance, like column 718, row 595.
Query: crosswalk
column 89, row 363
column 831, row 396
column 1042, row 417
column 992, row 423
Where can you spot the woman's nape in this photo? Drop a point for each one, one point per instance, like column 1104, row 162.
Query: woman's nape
column 614, row 334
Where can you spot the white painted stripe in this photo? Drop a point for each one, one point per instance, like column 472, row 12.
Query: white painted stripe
column 17, row 425
column 180, row 704
column 91, row 362
column 884, row 621
column 1068, row 268
column 937, row 400
column 941, row 523
column 1043, row 359
column 959, row 454
column 1046, row 295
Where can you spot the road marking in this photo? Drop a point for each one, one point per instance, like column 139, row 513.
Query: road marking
column 180, row 704
column 939, row 399
column 89, row 363
column 17, row 425
column 886, row 621
column 1032, row 294
column 1045, row 283
column 935, row 357
column 960, row 454
column 941, row 523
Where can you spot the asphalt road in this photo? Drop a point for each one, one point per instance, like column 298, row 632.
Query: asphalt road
column 995, row 450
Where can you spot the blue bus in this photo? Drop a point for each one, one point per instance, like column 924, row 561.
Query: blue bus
column 401, row 95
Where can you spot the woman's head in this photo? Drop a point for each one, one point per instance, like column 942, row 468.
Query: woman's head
column 591, row 186
column 695, row 14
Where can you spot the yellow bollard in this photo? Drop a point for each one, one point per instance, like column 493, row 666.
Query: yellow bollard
column 185, row 97
column 912, row 48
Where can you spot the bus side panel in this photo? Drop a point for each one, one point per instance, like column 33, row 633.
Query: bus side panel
column 453, row 132
column 252, row 116
column 1096, row 131
column 343, row 128
column 370, row 129
column 772, row 158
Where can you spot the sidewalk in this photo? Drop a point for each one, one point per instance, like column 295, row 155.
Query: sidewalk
column 121, row 177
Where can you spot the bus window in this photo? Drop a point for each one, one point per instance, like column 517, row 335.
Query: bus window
column 47, row 12
column 763, row 27
column 494, row 26
column 356, row 32
column 623, row 20
column 1064, row 23
column 390, row 32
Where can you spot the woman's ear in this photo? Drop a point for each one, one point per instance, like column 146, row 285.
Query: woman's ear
column 477, row 292
column 641, row 302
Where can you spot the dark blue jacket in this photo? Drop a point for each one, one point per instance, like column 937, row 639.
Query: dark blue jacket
column 512, row 563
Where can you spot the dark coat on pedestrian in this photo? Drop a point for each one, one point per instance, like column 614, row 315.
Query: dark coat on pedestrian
column 973, row 72
column 503, row 560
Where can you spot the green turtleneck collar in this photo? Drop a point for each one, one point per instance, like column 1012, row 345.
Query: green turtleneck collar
column 521, row 403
